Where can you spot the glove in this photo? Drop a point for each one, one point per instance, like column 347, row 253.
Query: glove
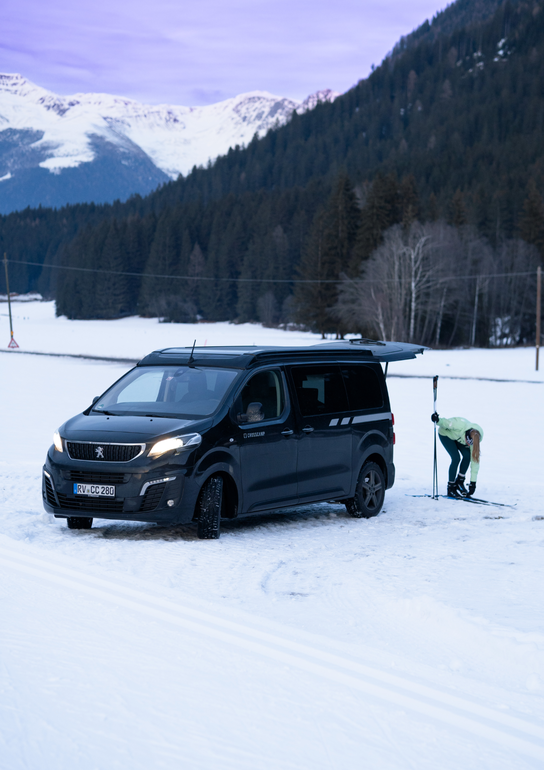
column 471, row 489
column 435, row 417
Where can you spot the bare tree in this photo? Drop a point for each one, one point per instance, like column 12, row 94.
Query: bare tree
column 267, row 309
column 397, row 288
column 436, row 283
column 511, row 301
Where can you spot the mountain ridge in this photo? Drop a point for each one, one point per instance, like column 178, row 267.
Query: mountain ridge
column 144, row 145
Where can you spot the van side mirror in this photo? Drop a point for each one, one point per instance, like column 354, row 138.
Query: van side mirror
column 254, row 413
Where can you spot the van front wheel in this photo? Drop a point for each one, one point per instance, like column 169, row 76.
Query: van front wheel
column 369, row 493
column 209, row 509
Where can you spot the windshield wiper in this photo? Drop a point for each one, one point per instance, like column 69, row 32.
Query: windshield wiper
column 105, row 411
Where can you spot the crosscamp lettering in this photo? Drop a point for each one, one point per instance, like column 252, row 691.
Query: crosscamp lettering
column 254, row 435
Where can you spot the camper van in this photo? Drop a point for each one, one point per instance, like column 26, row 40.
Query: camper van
column 211, row 433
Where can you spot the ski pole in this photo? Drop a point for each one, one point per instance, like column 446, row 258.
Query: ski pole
column 435, row 464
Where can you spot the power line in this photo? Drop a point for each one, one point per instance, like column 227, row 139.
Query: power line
column 257, row 280
column 170, row 277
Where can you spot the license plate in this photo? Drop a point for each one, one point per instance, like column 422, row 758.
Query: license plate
column 94, row 490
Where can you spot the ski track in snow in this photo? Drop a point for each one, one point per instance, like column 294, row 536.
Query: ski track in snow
column 301, row 640
column 506, row 730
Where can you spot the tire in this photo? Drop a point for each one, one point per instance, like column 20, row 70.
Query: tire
column 369, row 493
column 209, row 509
column 79, row 522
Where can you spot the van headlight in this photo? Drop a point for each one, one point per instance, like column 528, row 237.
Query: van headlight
column 57, row 441
column 175, row 444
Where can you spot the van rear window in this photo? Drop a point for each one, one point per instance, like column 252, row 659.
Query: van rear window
column 363, row 387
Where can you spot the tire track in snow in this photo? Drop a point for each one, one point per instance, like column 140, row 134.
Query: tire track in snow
column 457, row 712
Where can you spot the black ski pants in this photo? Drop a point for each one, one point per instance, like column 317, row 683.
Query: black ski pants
column 456, row 452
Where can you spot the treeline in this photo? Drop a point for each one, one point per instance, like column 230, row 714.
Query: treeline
column 331, row 271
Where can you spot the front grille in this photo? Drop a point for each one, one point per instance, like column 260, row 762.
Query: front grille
column 152, row 497
column 91, row 504
column 50, row 495
column 109, row 453
column 91, row 477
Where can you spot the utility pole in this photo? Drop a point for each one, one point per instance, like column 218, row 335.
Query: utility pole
column 12, row 343
column 475, row 313
column 538, row 282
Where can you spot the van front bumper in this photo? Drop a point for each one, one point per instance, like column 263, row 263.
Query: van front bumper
column 141, row 493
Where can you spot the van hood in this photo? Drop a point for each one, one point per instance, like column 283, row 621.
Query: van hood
column 128, row 429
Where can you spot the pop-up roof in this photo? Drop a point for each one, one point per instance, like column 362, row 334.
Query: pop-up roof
column 246, row 357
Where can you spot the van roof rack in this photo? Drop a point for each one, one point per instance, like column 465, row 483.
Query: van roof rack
column 365, row 341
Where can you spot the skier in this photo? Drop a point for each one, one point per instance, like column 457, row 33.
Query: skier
column 461, row 440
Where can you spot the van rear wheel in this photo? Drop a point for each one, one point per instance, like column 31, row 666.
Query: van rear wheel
column 79, row 522
column 209, row 509
column 369, row 493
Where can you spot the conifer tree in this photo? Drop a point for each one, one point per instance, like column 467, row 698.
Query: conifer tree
column 381, row 211
column 195, row 271
column 409, row 201
column 329, row 253
column 432, row 208
column 342, row 223
column 458, row 213
column 313, row 299
column 111, row 293
column 159, row 292
column 532, row 219
column 246, row 307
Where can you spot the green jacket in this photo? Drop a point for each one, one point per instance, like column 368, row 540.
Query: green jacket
column 455, row 428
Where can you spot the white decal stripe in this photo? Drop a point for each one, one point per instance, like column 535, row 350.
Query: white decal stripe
column 333, row 423
column 372, row 417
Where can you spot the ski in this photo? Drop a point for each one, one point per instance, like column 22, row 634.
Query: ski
column 473, row 500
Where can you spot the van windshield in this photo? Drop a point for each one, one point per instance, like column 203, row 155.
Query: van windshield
column 167, row 391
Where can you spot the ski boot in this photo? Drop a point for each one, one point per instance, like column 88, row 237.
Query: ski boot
column 460, row 485
column 453, row 490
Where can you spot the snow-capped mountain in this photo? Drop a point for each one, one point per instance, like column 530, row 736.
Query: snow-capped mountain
column 97, row 147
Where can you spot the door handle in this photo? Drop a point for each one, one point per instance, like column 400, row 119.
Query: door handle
column 287, row 432
column 308, row 429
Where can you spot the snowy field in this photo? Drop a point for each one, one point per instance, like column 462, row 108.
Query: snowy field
column 303, row 640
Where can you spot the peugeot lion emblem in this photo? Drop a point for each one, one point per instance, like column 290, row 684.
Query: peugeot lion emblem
column 99, row 452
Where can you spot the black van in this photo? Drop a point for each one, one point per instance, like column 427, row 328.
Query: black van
column 220, row 432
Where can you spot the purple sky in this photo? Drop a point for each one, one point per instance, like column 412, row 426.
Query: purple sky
column 202, row 51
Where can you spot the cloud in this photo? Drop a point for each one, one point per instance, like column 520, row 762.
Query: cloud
column 191, row 53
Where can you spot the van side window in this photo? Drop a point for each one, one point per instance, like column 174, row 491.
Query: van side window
column 262, row 398
column 320, row 390
column 363, row 387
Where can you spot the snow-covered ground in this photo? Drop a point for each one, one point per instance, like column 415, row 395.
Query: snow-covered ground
column 301, row 640
column 37, row 329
